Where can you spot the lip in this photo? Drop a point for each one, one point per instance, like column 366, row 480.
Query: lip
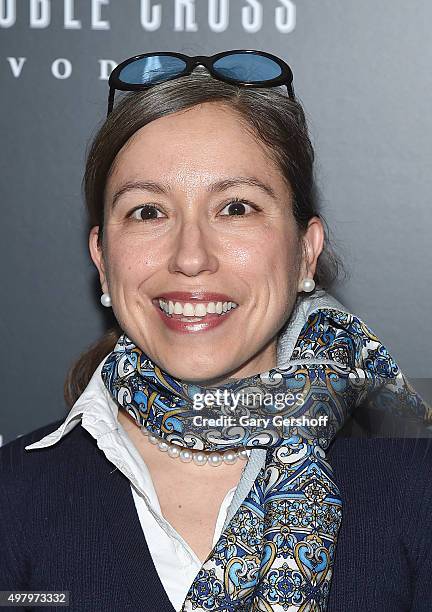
column 207, row 323
column 197, row 296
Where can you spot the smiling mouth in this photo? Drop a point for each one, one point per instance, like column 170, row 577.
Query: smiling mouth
column 188, row 312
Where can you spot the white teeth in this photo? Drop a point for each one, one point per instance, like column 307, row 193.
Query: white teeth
column 199, row 310
column 188, row 310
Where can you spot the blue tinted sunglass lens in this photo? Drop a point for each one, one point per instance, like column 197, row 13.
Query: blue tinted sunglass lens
column 247, row 67
column 152, row 69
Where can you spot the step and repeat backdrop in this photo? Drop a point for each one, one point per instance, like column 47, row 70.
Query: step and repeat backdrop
column 362, row 69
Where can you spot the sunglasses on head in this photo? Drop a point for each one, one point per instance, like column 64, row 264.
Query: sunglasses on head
column 245, row 67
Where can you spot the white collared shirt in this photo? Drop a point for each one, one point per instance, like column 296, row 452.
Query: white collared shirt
column 174, row 560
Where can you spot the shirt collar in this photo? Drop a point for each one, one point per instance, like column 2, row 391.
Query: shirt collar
column 98, row 411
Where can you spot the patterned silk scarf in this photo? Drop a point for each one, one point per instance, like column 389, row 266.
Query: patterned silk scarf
column 277, row 551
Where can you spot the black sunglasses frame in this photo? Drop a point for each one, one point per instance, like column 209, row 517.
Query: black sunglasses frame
column 114, row 82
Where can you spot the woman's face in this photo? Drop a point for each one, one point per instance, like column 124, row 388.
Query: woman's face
column 195, row 205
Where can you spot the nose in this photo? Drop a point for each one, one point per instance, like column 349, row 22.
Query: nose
column 194, row 251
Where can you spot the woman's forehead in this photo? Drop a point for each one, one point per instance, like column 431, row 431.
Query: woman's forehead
column 202, row 144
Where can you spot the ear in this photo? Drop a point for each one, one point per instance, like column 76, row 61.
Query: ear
column 97, row 257
column 313, row 243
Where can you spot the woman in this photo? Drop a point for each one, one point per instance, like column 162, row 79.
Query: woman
column 212, row 255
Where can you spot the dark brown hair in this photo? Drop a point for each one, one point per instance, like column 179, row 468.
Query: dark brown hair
column 274, row 120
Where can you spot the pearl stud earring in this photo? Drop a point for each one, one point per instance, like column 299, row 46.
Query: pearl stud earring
column 308, row 285
column 105, row 300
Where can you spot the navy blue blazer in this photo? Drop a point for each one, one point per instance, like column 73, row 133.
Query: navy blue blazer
column 68, row 522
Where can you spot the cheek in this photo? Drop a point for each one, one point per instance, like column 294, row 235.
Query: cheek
column 130, row 251
column 272, row 253
column 129, row 265
column 278, row 266
column 269, row 267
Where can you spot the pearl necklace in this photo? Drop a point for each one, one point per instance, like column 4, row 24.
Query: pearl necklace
column 198, row 457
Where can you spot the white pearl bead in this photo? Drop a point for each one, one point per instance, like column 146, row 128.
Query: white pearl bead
column 186, row 456
column 199, row 458
column 215, row 459
column 230, row 457
column 308, row 285
column 105, row 300
column 173, row 451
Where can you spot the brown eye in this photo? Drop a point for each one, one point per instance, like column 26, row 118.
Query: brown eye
column 237, row 207
column 145, row 213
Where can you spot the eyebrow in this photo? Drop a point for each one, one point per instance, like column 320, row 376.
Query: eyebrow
column 216, row 187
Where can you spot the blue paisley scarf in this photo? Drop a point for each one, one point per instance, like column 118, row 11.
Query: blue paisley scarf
column 277, row 551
